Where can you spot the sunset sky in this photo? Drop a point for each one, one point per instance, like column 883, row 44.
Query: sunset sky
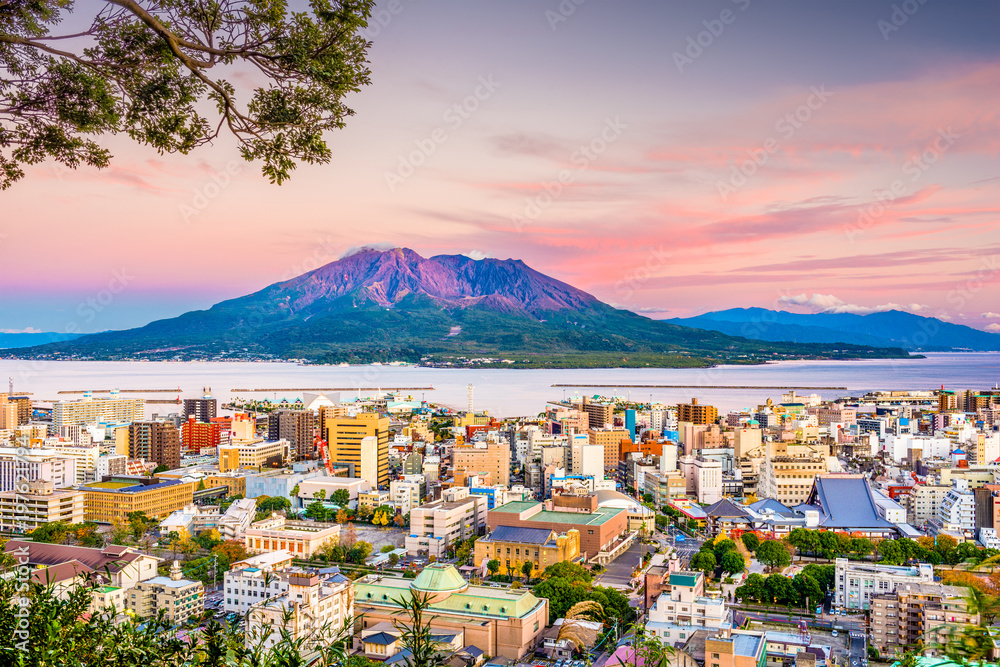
column 843, row 105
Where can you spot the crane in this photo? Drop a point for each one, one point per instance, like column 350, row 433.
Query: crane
column 324, row 451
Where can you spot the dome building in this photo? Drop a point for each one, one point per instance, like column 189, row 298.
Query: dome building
column 499, row 621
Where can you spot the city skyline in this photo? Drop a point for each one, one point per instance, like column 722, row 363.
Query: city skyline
column 597, row 146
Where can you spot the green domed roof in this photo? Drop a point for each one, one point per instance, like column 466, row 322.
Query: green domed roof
column 439, row 578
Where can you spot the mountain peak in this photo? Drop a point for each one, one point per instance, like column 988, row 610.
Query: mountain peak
column 386, row 276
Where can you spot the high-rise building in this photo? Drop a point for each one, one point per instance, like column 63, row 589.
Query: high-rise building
column 14, row 411
column 298, row 427
column 611, row 440
column 158, row 442
column 922, row 612
column 114, row 410
column 696, row 413
column 789, row 479
column 599, row 415
column 483, row 457
column 345, row 435
column 196, row 435
column 202, row 409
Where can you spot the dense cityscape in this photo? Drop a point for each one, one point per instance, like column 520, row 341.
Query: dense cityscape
column 797, row 531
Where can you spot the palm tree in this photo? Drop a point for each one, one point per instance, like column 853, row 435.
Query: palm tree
column 415, row 632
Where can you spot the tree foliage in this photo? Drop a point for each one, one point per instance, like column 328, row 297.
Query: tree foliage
column 154, row 71
column 773, row 553
column 565, row 585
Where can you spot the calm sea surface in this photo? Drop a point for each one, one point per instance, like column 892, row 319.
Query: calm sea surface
column 502, row 392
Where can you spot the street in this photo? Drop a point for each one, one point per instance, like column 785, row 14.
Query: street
column 619, row 571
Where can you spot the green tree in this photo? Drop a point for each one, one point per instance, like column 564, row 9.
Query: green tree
column 527, row 569
column 773, row 554
column 317, row 511
column 493, row 566
column 824, row 575
column 393, row 560
column 54, row 532
column 415, row 631
column 732, row 562
column 704, row 561
column 752, row 589
column 154, row 73
column 807, row 589
column 269, row 504
column 778, row 589
column 861, row 546
column 341, row 497
column 750, row 541
column 567, row 570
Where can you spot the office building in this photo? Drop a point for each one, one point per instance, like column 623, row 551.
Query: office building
column 856, row 582
column 599, row 415
column 346, row 439
column 492, row 458
column 407, row 492
column 459, row 515
column 39, row 465
column 610, row 440
column 260, row 454
column 157, row 442
column 205, row 437
column 789, row 479
column 298, row 427
column 114, row 497
column 201, row 409
column 697, row 413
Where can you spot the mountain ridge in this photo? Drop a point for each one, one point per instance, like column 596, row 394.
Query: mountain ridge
column 889, row 328
column 395, row 305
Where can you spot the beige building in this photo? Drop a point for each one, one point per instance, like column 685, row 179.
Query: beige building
column 611, row 440
column 87, row 410
column 258, row 454
column 346, row 439
column 789, row 479
column 374, row 499
column 115, row 496
column 923, row 501
column 312, row 608
column 500, row 621
column 918, row 613
column 436, row 525
column 492, row 458
column 514, row 547
column 406, row 493
column 683, row 607
column 303, row 539
column 178, row 598
column 22, row 512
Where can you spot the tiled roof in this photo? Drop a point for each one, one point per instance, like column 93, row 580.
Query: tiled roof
column 846, row 501
column 112, row 558
column 726, row 508
column 521, row 535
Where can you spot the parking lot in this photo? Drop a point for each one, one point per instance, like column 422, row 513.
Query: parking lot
column 619, row 571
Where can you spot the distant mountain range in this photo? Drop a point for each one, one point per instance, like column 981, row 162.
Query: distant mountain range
column 891, row 328
column 394, row 305
column 12, row 340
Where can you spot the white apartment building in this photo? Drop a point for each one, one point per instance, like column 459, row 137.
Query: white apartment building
column 40, row 465
column 313, row 608
column 957, row 512
column 237, row 519
column 888, row 508
column 457, row 516
column 683, row 608
column 407, row 492
column 254, row 580
column 923, row 502
column 856, row 583
column 114, row 410
column 86, row 458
